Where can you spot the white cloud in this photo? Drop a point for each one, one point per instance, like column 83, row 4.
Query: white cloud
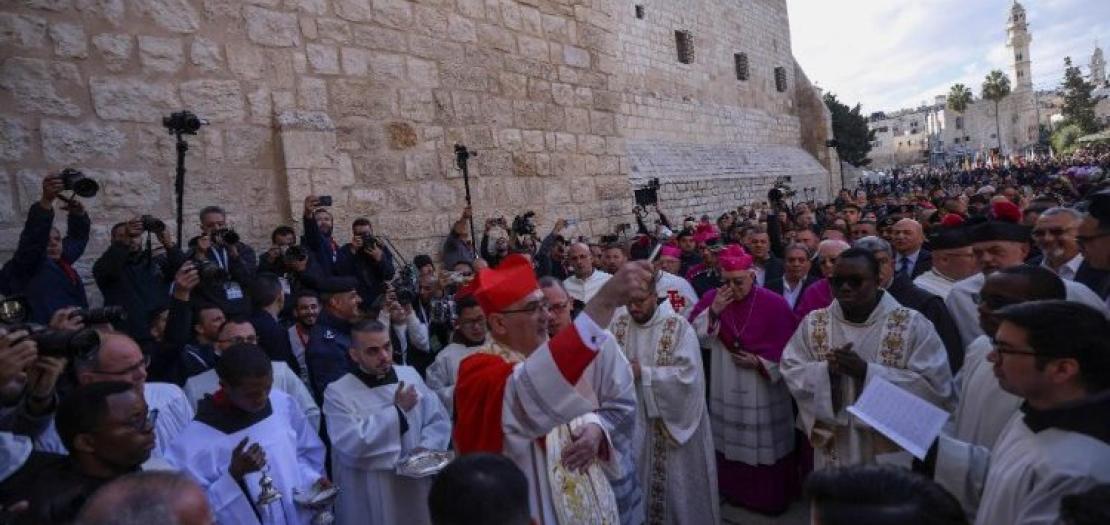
column 894, row 54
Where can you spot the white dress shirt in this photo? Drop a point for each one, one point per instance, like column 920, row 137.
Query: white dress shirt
column 792, row 293
column 1068, row 269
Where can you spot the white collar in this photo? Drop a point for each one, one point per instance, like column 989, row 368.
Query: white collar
column 1073, row 264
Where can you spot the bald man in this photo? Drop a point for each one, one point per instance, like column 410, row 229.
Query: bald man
column 910, row 259
column 119, row 358
column 586, row 280
column 145, row 498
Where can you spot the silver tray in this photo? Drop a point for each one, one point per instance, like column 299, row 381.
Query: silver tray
column 315, row 496
column 424, row 464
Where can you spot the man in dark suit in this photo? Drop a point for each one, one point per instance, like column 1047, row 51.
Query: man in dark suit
column 268, row 296
column 911, row 259
column 767, row 267
column 796, row 277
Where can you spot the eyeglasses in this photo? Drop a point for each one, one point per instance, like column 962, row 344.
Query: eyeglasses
column 241, row 339
column 472, row 322
column 1003, row 350
column 530, row 308
column 141, row 365
column 1055, row 232
column 1085, row 239
column 854, row 281
column 557, row 307
column 142, row 423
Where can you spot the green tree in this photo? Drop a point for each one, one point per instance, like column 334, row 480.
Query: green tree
column 1063, row 140
column 850, row 130
column 959, row 97
column 995, row 88
column 1079, row 102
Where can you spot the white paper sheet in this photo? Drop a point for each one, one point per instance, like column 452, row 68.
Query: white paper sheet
column 902, row 417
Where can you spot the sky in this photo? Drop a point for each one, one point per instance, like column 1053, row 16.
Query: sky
column 894, row 54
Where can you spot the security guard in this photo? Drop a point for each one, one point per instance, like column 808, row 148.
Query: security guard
column 326, row 353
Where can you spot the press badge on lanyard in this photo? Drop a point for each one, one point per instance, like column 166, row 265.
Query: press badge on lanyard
column 233, row 291
column 285, row 288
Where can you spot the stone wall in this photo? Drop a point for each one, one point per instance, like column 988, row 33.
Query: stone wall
column 565, row 103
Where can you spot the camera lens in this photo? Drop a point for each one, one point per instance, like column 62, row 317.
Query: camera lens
column 230, row 237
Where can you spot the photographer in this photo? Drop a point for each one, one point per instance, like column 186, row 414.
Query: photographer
column 28, row 378
column 281, row 239
column 171, row 330
column 500, row 246
column 459, row 246
column 220, row 245
column 134, row 278
column 409, row 333
column 552, row 255
column 365, row 259
column 42, row 267
column 318, row 226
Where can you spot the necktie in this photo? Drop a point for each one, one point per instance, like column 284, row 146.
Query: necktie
column 903, row 266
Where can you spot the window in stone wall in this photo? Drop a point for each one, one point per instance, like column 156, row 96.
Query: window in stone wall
column 684, row 42
column 741, row 60
column 780, row 79
column 639, row 11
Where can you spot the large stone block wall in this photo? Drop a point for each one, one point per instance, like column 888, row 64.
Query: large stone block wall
column 565, row 103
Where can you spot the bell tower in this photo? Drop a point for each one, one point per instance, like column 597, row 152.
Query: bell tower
column 1017, row 30
column 1098, row 67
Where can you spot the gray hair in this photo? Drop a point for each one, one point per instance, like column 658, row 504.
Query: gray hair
column 798, row 246
column 142, row 498
column 836, row 243
column 874, row 244
column 1075, row 215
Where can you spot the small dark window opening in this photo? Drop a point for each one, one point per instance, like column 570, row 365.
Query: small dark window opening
column 639, row 11
column 684, row 42
column 780, row 79
column 741, row 65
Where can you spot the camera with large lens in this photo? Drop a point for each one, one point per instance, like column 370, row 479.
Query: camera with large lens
column 780, row 190
column 183, row 122
column 404, row 285
column 369, row 242
column 75, row 181
column 60, row 343
column 524, row 225
column 225, row 236
column 107, row 314
column 294, row 254
column 153, row 224
column 209, row 271
column 443, row 311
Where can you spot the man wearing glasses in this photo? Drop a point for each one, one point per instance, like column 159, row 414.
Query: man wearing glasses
column 523, row 387
column 837, row 350
column 470, row 334
column 1052, row 355
column 983, row 407
column 1094, row 238
column 119, row 358
column 237, row 331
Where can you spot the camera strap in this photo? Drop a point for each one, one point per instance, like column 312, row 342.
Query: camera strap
column 221, row 258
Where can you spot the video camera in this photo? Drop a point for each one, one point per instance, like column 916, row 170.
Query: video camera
column 647, row 195
column 153, row 224
column 183, row 123
column 780, row 190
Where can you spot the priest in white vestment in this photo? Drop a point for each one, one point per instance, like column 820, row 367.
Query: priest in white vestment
column 587, row 280
column 469, row 336
column 984, row 408
column 676, row 291
column 1052, row 355
column 285, row 379
column 243, row 432
column 998, row 245
column 837, row 350
column 522, row 387
column 119, row 358
column 377, row 415
column 677, row 469
column 953, row 261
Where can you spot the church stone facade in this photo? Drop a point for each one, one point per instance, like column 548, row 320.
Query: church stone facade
column 569, row 105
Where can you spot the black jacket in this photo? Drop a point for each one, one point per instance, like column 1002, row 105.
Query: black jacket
column 137, row 281
column 274, row 339
column 932, row 307
column 1097, row 280
column 923, row 263
column 371, row 276
column 778, row 285
column 773, row 270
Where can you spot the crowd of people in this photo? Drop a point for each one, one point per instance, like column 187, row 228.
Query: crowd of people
column 647, row 375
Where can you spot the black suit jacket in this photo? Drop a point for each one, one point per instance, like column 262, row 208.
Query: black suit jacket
column 778, row 285
column 932, row 307
column 274, row 339
column 1095, row 279
column 773, row 270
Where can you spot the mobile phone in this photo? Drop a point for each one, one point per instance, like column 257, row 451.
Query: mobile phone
column 323, row 200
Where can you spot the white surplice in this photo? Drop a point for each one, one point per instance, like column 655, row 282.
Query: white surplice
column 365, row 427
column 898, row 344
column 1022, row 480
column 208, row 382
column 677, row 469
column 294, row 460
column 539, row 402
column 676, row 291
column 444, row 372
column 935, row 283
column 174, row 413
column 961, row 304
column 584, row 289
column 983, row 409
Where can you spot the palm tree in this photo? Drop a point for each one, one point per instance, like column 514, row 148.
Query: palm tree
column 959, row 97
column 995, row 88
